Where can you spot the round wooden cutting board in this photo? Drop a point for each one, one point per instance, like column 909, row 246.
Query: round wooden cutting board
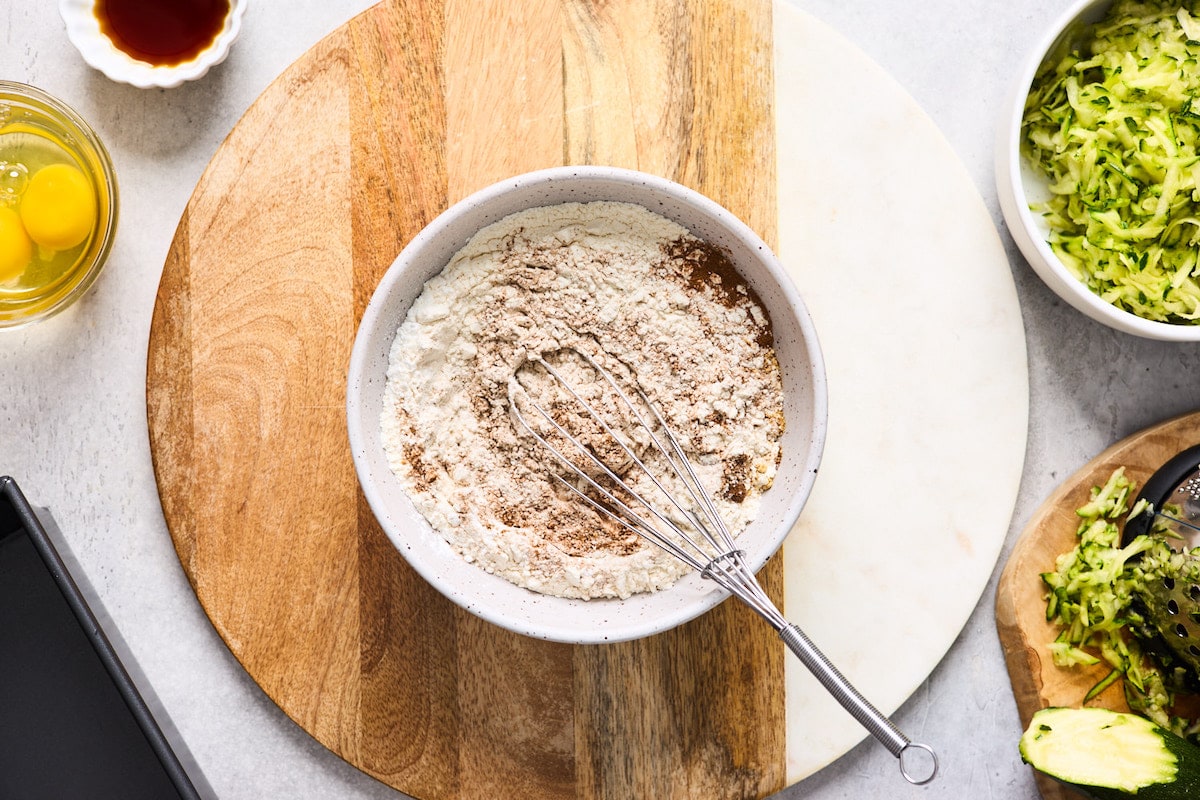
column 413, row 105
column 1021, row 596
column 407, row 108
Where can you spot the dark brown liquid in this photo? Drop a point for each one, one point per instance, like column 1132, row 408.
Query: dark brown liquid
column 162, row 32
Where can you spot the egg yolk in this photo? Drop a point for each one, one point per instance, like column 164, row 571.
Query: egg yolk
column 16, row 251
column 59, row 207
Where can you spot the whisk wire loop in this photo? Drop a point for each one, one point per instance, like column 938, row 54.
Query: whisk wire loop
column 614, row 507
column 679, row 545
column 676, row 458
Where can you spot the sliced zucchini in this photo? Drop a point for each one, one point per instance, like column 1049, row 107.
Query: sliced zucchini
column 1110, row 755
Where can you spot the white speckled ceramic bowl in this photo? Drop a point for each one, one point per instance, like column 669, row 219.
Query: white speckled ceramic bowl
column 491, row 597
column 1019, row 185
column 83, row 29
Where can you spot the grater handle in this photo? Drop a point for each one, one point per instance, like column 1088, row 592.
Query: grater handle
column 859, row 707
column 1158, row 488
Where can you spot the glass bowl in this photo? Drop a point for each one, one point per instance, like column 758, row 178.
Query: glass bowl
column 38, row 131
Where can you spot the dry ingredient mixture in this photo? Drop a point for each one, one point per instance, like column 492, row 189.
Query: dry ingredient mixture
column 644, row 297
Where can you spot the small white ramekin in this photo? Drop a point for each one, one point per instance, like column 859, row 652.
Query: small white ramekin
column 83, row 29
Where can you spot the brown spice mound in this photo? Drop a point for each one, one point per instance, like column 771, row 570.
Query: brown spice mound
column 708, row 268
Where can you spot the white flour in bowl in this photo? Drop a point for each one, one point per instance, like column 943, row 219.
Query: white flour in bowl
column 623, row 284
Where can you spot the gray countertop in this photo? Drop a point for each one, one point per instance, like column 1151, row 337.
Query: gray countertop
column 73, row 417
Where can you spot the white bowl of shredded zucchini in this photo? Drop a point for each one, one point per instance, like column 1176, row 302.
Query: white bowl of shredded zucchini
column 1098, row 164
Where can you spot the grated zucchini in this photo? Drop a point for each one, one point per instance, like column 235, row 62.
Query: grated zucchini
column 1114, row 125
column 1091, row 598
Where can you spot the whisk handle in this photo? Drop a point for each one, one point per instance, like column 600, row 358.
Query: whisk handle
column 859, row 707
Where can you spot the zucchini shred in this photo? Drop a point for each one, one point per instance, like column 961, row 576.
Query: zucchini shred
column 1114, row 127
column 1092, row 599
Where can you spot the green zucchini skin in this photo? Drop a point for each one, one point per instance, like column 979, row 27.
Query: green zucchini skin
column 1069, row 744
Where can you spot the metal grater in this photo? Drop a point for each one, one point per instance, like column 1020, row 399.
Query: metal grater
column 1173, row 606
column 1172, row 597
column 1181, row 510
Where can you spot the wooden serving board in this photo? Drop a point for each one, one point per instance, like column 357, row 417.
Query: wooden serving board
column 404, row 110
column 415, row 104
column 1020, row 598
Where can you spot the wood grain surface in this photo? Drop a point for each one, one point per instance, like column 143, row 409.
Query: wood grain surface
column 406, row 109
column 1020, row 598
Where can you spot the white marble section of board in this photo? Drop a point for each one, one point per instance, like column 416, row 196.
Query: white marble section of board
column 913, row 298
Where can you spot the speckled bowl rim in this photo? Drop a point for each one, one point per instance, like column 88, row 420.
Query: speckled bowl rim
column 493, row 598
column 1018, row 184
column 83, row 29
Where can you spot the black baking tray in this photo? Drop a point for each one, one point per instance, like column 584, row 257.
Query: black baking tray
column 73, row 721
